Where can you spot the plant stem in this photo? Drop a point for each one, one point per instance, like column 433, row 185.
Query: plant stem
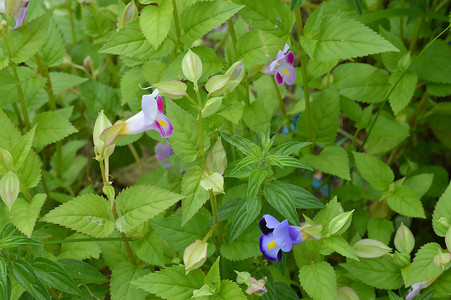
column 279, row 97
column 420, row 106
column 87, row 240
column 26, row 193
column 125, row 239
column 232, row 35
column 401, row 23
column 201, row 128
column 137, row 158
column 96, row 19
column 18, row 85
column 416, row 32
column 72, row 23
column 303, row 55
column 102, row 171
column 209, row 233
column 176, row 22
column 214, row 208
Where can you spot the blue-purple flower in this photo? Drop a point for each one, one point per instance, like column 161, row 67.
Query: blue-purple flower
column 282, row 67
column 278, row 237
column 163, row 151
column 19, row 16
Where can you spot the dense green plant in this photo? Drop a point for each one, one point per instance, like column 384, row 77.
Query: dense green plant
column 272, row 148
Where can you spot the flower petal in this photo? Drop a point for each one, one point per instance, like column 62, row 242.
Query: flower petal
column 289, row 58
column 289, row 75
column 149, row 108
column 281, row 235
column 269, row 248
column 163, row 126
column 297, row 235
column 285, row 48
column 269, row 222
column 137, row 124
column 279, row 79
column 160, row 104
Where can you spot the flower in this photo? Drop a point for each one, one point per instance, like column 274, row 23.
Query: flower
column 256, row 286
column 278, row 237
column 416, row 288
column 150, row 118
column 282, row 67
column 163, row 151
column 18, row 11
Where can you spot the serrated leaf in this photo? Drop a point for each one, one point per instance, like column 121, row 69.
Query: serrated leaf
column 9, row 135
column 28, row 39
column 81, row 271
column 319, row 280
column 155, row 22
column 140, row 203
column 130, row 85
column 196, row 195
column 213, row 278
column 64, row 81
column 357, row 5
column 30, row 172
column 380, row 229
column 229, row 290
column 362, row 82
column 52, row 127
column 52, row 52
column 20, row 150
column 340, row 37
column 89, row 214
column 149, row 249
column 54, row 275
column 234, row 113
column 438, row 89
column 279, row 196
column 420, row 183
column 185, row 139
column 381, row 272
column 331, row 160
column 404, row 201
column 403, row 92
column 333, row 209
column 339, row 245
column 243, row 144
column 325, row 110
column 244, row 247
column 24, row 214
column 258, row 47
column 423, row 267
column 121, row 282
column 23, row 273
column 172, row 283
column 374, row 171
column 303, row 199
column 198, row 19
column 434, row 65
column 256, row 117
column 442, row 210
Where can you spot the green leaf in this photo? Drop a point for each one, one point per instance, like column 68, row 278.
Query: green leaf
column 362, row 82
column 442, row 285
column 21, row 149
column 5, row 284
column 420, row 183
column 28, row 39
column 319, row 280
column 434, row 65
column 196, row 195
column 331, row 160
column 52, row 127
column 15, row 241
column 303, row 199
column 442, row 210
column 172, row 283
column 324, row 216
column 198, row 19
column 229, row 290
column 155, row 22
column 380, row 229
column 258, row 47
column 73, row 250
column 121, row 282
column 357, row 5
column 149, row 249
column 387, row 134
column 89, row 214
column 129, row 85
column 404, row 201
column 374, row 171
column 279, row 196
column 138, row 204
column 244, row 247
column 234, row 113
column 64, row 81
column 54, row 275
column 288, row 148
column 23, row 273
column 30, row 172
column 340, row 37
column 52, row 52
column 256, row 117
column 339, row 245
column 325, row 111
column 243, row 144
column 423, row 267
column 403, row 92
column 381, row 272
column 213, row 278
column 438, row 89
column 24, row 214
column 185, row 139
column 81, row 271
column 9, row 135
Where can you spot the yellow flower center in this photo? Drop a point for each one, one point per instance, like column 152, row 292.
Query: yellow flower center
column 272, row 245
column 162, row 123
column 286, row 72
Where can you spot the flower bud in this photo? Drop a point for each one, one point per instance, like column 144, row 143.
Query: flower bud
column 9, row 188
column 313, row 231
column 216, row 85
column 404, row 239
column 129, row 13
column 369, row 248
column 100, row 125
column 204, row 293
column 256, row 286
column 6, row 161
column 108, row 190
column 12, row 7
column 346, row 293
column 237, row 73
column 214, row 182
column 448, row 240
column 211, row 107
column 195, row 255
column 173, row 89
column 401, row 259
column 340, row 223
column 216, row 158
column 242, row 277
column 442, row 258
column 192, row 66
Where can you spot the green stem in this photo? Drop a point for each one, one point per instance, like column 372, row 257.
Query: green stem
column 18, row 85
column 96, row 19
column 401, row 23
column 209, row 233
column 26, row 193
column 394, row 86
column 102, row 171
column 279, row 97
column 72, row 23
column 137, row 158
column 87, row 240
column 128, row 249
column 176, row 22
column 300, row 32
column 214, row 208
column 232, row 35
column 413, row 42
column 201, row 128
column 419, row 108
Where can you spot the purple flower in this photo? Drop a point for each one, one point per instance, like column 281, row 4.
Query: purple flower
column 19, row 16
column 278, row 237
column 163, row 151
column 282, row 67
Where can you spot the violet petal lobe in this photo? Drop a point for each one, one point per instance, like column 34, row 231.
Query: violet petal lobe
column 270, row 250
